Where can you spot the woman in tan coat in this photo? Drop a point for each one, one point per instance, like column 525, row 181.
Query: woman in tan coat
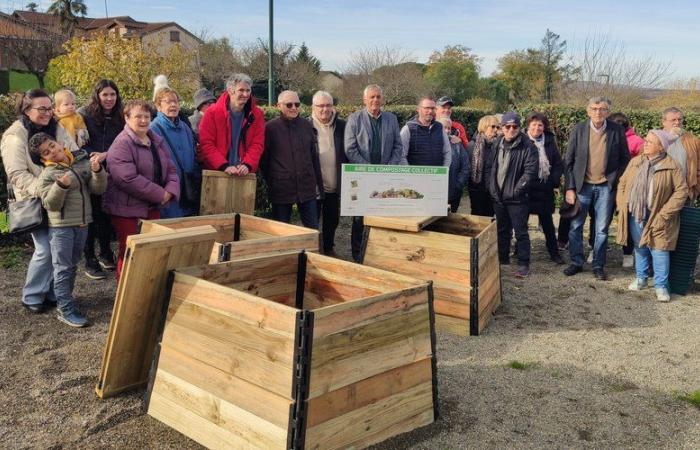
column 650, row 196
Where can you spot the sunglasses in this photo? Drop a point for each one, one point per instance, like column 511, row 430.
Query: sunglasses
column 290, row 105
column 511, row 127
column 497, row 127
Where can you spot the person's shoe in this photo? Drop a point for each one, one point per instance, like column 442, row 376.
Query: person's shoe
column 106, row 261
column 522, row 272
column 557, row 259
column 662, row 295
column 600, row 274
column 589, row 260
column 72, row 318
column 93, row 269
column 49, row 302
column 573, row 269
column 627, row 261
column 638, row 284
column 34, row 308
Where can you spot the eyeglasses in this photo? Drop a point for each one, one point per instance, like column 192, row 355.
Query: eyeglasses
column 325, row 105
column 497, row 127
column 511, row 127
column 290, row 105
column 43, row 109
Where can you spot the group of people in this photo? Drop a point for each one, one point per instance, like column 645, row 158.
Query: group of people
column 101, row 168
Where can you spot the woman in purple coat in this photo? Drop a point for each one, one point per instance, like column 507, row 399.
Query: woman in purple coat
column 142, row 177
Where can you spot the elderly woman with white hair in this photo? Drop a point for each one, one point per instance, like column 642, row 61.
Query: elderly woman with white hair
column 650, row 196
column 330, row 132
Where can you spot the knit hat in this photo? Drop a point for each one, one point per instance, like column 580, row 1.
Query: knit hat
column 665, row 137
column 203, row 96
column 159, row 82
column 510, row 117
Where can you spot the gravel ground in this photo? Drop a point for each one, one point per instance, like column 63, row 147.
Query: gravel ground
column 566, row 362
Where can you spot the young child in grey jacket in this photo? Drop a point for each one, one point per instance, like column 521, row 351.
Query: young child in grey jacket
column 65, row 184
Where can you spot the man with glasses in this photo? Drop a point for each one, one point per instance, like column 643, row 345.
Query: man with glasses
column 232, row 132
column 596, row 158
column 514, row 169
column 424, row 142
column 290, row 163
column 330, row 132
column 371, row 137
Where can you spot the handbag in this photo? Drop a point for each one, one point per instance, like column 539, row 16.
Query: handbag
column 24, row 215
column 190, row 182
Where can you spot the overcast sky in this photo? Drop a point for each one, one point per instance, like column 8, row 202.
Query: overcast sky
column 668, row 31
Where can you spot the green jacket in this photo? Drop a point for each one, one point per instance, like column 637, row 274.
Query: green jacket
column 71, row 207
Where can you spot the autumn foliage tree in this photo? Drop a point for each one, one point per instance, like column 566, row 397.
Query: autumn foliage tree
column 128, row 62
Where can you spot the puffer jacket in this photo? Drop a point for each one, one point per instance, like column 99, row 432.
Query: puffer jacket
column 522, row 172
column 70, row 207
column 131, row 190
column 102, row 133
column 21, row 171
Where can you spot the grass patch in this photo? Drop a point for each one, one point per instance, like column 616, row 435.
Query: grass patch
column 4, row 227
column 20, row 81
column 693, row 398
column 10, row 257
column 518, row 365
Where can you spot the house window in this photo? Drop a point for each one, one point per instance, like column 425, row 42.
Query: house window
column 174, row 36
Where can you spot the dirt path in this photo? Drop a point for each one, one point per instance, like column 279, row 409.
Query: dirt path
column 566, row 362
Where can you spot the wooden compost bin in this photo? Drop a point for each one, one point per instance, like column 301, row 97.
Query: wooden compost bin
column 458, row 253
column 223, row 193
column 241, row 235
column 296, row 350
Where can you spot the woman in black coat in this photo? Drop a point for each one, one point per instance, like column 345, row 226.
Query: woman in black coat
column 550, row 171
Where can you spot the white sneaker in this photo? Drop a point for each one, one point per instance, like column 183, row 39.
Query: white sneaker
column 637, row 285
column 590, row 258
column 627, row 261
column 662, row 295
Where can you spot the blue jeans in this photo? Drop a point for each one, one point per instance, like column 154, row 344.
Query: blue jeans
column 38, row 286
column 67, row 244
column 660, row 260
column 601, row 199
column 308, row 211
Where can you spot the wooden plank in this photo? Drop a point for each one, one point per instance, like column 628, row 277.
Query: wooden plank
column 223, row 193
column 357, row 395
column 452, row 325
column 460, row 224
column 422, row 271
column 251, row 397
column 274, row 245
column 460, row 310
column 358, row 425
column 273, row 227
column 334, row 291
column 139, row 299
column 236, row 360
column 243, row 306
column 400, row 223
column 231, row 272
column 268, row 287
column 223, row 223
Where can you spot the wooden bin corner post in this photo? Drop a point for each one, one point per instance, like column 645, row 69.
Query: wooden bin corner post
column 294, row 351
column 223, row 193
column 141, row 293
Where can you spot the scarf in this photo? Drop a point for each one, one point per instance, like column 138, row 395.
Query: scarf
column 477, row 165
column 640, row 188
column 70, row 157
column 544, row 166
column 33, row 128
column 503, row 157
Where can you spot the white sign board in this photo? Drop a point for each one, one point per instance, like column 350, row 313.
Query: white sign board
column 379, row 190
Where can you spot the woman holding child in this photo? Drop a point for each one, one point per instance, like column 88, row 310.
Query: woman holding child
column 34, row 115
column 142, row 176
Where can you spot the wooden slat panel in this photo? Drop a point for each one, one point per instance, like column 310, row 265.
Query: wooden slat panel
column 256, row 247
column 373, row 389
column 452, row 309
column 139, row 299
column 251, row 397
column 460, row 224
column 268, row 287
column 232, row 272
column 222, row 193
column 434, row 240
column 453, row 325
column 223, row 223
column 235, row 360
column 356, row 428
column 400, row 223
column 421, row 271
column 334, row 291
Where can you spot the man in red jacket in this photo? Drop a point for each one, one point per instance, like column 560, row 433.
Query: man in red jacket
column 444, row 109
column 232, row 132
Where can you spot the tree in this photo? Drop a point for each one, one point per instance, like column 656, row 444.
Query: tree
column 217, row 60
column 66, row 11
column 304, row 56
column 522, row 72
column 126, row 61
column 453, row 72
column 32, row 7
column 555, row 73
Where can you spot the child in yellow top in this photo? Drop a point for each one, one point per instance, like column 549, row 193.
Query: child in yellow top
column 69, row 119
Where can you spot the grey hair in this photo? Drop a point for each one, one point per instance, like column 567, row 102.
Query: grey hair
column 236, row 78
column 669, row 110
column 283, row 93
column 372, row 87
column 320, row 94
column 444, row 120
column 598, row 99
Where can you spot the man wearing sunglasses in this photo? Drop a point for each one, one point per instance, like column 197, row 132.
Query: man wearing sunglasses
column 514, row 168
column 290, row 163
column 596, row 158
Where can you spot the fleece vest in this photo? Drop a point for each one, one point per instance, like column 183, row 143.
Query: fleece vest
column 426, row 145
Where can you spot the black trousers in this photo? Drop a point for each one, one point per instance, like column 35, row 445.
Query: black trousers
column 481, row 203
column 509, row 219
column 550, row 235
column 100, row 229
column 358, row 226
column 329, row 212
